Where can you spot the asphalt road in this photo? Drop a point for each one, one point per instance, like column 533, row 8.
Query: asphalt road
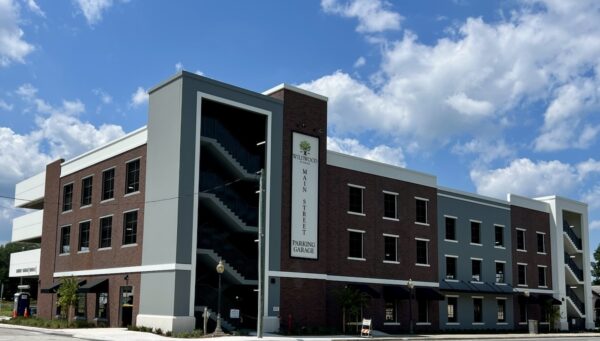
column 9, row 334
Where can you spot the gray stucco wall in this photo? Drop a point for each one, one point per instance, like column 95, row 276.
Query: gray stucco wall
column 170, row 189
column 490, row 212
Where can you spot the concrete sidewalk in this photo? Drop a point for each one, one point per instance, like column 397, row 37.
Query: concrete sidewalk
column 118, row 334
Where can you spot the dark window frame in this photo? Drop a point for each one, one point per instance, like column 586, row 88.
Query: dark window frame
column 451, row 268
column 501, row 312
column 476, row 274
column 541, row 250
column 476, row 232
column 421, row 211
column 542, row 280
column 353, row 195
column 390, row 312
column 87, row 191
column 452, row 301
column 132, row 176
column 522, row 275
column 65, row 239
column 353, row 244
column 102, row 308
column 420, row 244
column 498, row 237
column 422, row 311
column 85, row 228
column 105, row 240
column 390, row 242
column 108, row 184
column 388, row 205
column 130, row 221
column 67, row 204
column 501, row 276
column 477, row 310
column 521, row 240
column 450, row 233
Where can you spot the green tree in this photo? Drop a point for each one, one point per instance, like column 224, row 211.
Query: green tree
column 67, row 296
column 352, row 301
column 596, row 267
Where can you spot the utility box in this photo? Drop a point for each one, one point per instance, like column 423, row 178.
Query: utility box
column 21, row 302
column 533, row 326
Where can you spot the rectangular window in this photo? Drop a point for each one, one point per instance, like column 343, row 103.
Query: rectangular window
column 355, row 204
column 500, row 272
column 499, row 233
column 521, row 240
column 102, row 305
column 421, row 211
column 542, row 276
column 356, row 244
column 84, row 236
column 80, row 308
column 452, row 309
column 541, row 244
column 523, row 311
column 450, row 228
column 475, row 232
column 391, row 248
column 108, row 184
column 105, row 232
column 522, row 274
column 391, row 311
column 422, row 253
column 451, row 268
column 423, row 311
column 86, row 191
column 65, row 239
column 130, row 227
column 67, row 198
column 132, row 183
column 476, row 270
column 390, row 205
column 477, row 310
column 501, row 310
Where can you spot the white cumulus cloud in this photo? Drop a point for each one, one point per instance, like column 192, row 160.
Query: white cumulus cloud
column 5, row 106
column 93, row 9
column 13, row 48
column 595, row 225
column 372, row 15
column 139, row 97
column 478, row 77
column 381, row 153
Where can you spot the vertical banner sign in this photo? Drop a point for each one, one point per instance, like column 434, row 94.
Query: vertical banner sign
column 305, row 196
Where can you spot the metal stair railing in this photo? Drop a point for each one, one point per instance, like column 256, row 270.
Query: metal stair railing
column 576, row 301
column 212, row 183
column 211, row 239
column 573, row 266
column 571, row 234
column 214, row 129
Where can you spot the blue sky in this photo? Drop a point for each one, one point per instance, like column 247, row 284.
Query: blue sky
column 490, row 96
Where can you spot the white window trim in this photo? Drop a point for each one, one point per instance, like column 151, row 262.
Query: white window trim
column 426, row 223
column 356, row 186
column 451, row 279
column 427, row 253
column 476, row 221
column 545, row 267
column 134, row 159
column 362, row 245
column 396, row 237
column 544, row 236
column 451, row 240
column 525, row 284
column 503, row 239
column 475, row 258
column 392, row 193
column 388, row 218
column 362, row 200
column 524, row 239
column 128, row 211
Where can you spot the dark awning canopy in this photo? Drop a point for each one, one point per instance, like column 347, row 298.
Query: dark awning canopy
column 365, row 289
column 426, row 293
column 486, row 288
column 51, row 290
column 391, row 292
column 95, row 286
column 542, row 299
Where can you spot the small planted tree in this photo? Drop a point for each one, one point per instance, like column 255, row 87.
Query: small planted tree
column 67, row 296
column 352, row 301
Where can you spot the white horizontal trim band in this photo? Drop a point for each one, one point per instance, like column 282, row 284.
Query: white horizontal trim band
column 335, row 278
column 472, row 201
column 127, row 269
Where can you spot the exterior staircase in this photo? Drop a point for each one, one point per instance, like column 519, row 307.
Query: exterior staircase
column 213, row 316
column 571, row 236
column 572, row 266
column 575, row 302
column 232, row 219
column 230, row 271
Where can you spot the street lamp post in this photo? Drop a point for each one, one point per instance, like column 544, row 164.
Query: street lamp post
column 220, row 270
column 411, row 286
